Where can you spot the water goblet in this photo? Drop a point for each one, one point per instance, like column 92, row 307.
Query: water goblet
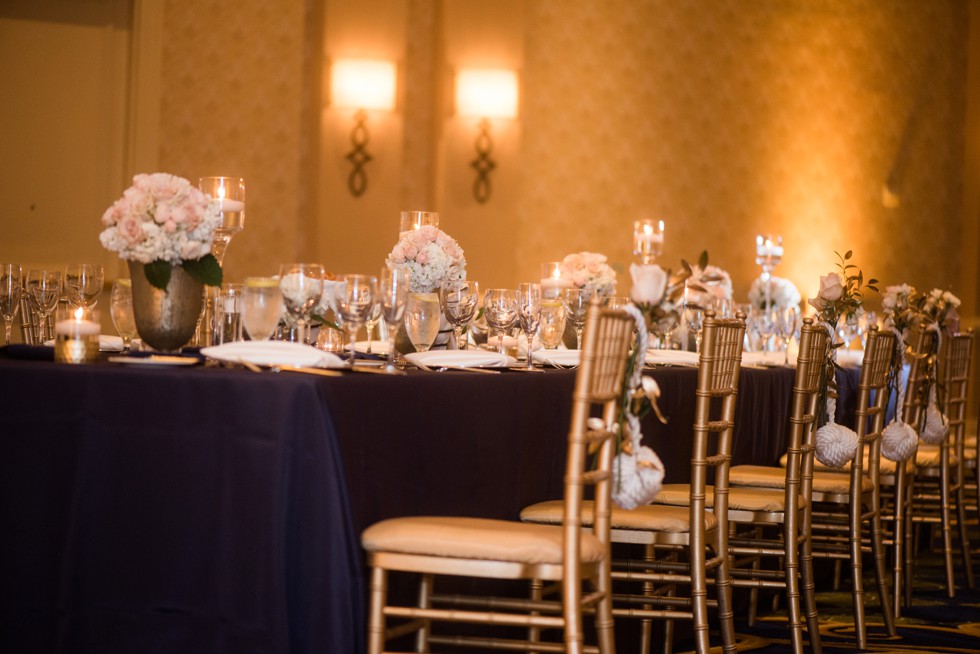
column 529, row 313
column 392, row 296
column 500, row 311
column 83, row 284
column 10, row 292
column 354, row 300
column 422, row 317
column 576, row 301
column 666, row 325
column 44, row 288
column 121, row 311
column 261, row 307
column 694, row 317
column 459, row 299
column 552, row 325
column 301, row 285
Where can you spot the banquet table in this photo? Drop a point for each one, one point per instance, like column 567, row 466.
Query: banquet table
column 177, row 509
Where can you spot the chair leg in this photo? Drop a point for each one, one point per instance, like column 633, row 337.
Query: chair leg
column 534, row 633
column 809, row 598
column 603, row 615
column 857, row 581
column 699, row 598
column 376, row 619
column 945, row 522
column 881, row 574
column 424, row 602
column 964, row 533
column 791, row 570
column 726, row 614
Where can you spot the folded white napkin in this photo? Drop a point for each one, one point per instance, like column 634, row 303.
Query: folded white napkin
column 558, row 357
column 672, row 356
column 273, row 353
column 461, row 358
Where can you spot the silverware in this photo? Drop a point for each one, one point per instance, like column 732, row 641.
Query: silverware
column 486, row 371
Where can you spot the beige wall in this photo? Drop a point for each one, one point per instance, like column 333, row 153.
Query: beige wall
column 723, row 118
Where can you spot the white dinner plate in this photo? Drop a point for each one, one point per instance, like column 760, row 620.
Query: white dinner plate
column 682, row 357
column 461, row 358
column 557, row 357
column 377, row 347
column 156, row 360
column 273, row 353
column 107, row 343
column 768, row 359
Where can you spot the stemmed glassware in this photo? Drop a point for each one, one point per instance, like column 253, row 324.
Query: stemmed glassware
column 83, row 284
column 576, row 301
column 392, row 296
column 261, row 307
column 422, row 317
column 849, row 329
column 694, row 317
column 354, row 300
column 10, row 292
column 459, row 299
column 529, row 313
column 552, row 324
column 370, row 323
column 121, row 311
column 500, row 310
column 229, row 192
column 301, row 285
column 786, row 320
column 44, row 288
column 768, row 254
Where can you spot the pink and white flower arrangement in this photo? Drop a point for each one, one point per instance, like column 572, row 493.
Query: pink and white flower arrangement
column 782, row 293
column 940, row 307
column 897, row 307
column 163, row 220
column 708, row 285
column 590, row 271
column 431, row 256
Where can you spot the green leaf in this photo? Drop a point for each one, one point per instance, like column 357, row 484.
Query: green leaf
column 205, row 270
column 157, row 273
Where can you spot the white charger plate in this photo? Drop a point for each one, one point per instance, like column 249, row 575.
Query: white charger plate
column 461, row 358
column 273, row 353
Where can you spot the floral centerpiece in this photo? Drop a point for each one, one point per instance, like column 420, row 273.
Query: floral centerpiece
column 431, row 257
column 841, row 295
column 708, row 285
column 162, row 221
column 589, row 270
column 782, row 293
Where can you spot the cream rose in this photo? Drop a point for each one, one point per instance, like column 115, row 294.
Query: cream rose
column 649, row 284
column 831, row 290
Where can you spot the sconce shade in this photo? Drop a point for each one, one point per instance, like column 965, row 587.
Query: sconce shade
column 362, row 84
column 486, row 93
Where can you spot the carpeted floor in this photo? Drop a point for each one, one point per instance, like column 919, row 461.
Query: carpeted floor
column 933, row 624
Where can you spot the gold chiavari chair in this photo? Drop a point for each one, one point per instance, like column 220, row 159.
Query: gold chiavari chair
column 502, row 549
column 763, row 497
column 692, row 530
column 937, row 487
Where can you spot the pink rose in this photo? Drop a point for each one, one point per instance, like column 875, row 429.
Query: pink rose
column 130, row 229
column 831, row 290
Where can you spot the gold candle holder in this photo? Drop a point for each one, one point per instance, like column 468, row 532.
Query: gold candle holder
column 76, row 335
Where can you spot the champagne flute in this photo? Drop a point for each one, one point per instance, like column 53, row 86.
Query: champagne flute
column 552, row 325
column 529, row 313
column 576, row 301
column 500, row 311
column 354, row 300
column 261, row 307
column 370, row 323
column 44, row 287
column 392, row 296
column 121, row 311
column 10, row 290
column 83, row 284
column 459, row 299
column 301, row 285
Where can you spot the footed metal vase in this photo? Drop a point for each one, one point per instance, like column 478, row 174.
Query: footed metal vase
column 166, row 319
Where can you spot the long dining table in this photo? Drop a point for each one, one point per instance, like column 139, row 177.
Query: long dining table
column 202, row 508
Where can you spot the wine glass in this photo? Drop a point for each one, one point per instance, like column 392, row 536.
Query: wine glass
column 44, row 288
column 500, row 311
column 10, row 290
column 261, row 307
column 392, row 296
column 666, row 325
column 529, row 313
column 552, row 325
column 354, row 300
column 787, row 321
column 459, row 299
column 83, row 284
column 422, row 317
column 849, row 329
column 576, row 301
column 229, row 192
column 301, row 285
column 121, row 311
column 370, row 323
column 694, row 317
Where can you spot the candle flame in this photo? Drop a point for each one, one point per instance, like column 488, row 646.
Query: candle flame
column 79, row 312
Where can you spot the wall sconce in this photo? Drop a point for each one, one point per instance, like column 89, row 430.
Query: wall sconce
column 485, row 94
column 361, row 84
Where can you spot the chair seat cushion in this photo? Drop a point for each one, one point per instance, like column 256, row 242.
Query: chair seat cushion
column 927, row 456
column 773, row 477
column 742, row 498
column 648, row 517
column 475, row 538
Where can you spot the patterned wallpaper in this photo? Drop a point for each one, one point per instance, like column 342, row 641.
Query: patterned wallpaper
column 724, row 119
